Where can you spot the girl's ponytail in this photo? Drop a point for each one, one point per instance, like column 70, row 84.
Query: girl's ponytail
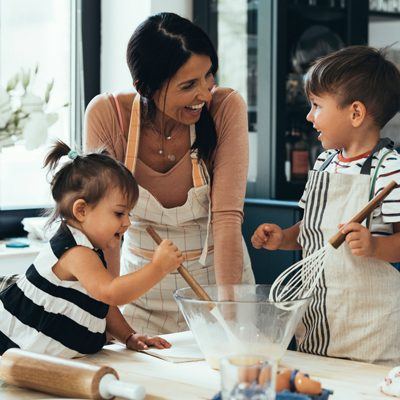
column 58, row 150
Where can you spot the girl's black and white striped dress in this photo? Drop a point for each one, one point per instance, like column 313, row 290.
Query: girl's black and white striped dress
column 44, row 314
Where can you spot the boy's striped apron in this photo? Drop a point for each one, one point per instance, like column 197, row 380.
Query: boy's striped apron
column 355, row 311
column 188, row 226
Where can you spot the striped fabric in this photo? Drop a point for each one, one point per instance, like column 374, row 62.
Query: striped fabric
column 389, row 212
column 7, row 280
column 317, row 335
column 44, row 314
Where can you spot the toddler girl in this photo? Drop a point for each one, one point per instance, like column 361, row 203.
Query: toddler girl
column 67, row 300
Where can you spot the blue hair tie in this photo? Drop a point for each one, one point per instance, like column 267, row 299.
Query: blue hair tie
column 72, row 154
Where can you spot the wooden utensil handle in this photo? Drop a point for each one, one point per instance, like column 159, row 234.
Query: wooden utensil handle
column 200, row 292
column 340, row 237
column 54, row 375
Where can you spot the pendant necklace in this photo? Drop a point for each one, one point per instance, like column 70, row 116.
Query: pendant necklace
column 170, row 157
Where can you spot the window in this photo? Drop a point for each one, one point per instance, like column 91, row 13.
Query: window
column 36, row 32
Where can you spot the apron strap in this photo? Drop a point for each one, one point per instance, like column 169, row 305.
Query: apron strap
column 204, row 253
column 366, row 168
column 328, row 161
column 374, row 178
column 132, row 145
column 382, row 143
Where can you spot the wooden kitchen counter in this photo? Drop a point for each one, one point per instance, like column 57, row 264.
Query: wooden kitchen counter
column 195, row 380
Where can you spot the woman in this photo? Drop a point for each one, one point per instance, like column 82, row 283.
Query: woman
column 190, row 163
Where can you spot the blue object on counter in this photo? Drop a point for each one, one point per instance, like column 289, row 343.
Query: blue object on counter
column 17, row 244
column 286, row 395
column 396, row 265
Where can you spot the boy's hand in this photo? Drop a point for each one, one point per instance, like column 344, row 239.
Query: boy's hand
column 167, row 257
column 359, row 239
column 268, row 236
column 143, row 342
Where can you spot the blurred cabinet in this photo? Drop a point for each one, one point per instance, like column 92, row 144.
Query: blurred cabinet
column 267, row 265
column 264, row 47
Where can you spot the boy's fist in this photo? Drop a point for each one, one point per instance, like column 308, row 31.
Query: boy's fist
column 268, row 236
column 359, row 239
column 167, row 257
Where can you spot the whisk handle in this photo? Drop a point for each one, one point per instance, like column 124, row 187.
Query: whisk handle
column 200, row 292
column 340, row 237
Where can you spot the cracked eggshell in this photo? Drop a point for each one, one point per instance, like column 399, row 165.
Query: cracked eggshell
column 391, row 384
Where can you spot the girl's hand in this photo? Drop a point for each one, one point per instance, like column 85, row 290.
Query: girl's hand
column 268, row 236
column 359, row 239
column 143, row 342
column 167, row 257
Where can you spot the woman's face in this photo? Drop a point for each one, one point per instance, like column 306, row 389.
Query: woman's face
column 188, row 91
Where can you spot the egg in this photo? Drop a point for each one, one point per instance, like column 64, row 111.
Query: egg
column 391, row 384
column 248, row 374
column 306, row 385
column 302, row 383
column 283, row 380
column 265, row 376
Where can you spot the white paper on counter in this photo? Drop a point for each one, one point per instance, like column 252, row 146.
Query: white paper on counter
column 184, row 348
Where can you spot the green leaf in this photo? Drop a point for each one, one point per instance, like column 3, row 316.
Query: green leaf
column 48, row 91
column 25, row 78
column 12, row 83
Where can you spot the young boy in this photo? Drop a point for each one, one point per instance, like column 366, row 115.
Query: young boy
column 355, row 310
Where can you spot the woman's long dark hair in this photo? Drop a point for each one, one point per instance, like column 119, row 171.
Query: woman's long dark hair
column 156, row 50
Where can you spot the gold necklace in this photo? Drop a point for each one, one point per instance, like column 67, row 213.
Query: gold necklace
column 170, row 157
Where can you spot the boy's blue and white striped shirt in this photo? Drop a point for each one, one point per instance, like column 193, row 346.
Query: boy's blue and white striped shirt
column 44, row 314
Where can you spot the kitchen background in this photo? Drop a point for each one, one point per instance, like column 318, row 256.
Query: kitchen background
column 264, row 48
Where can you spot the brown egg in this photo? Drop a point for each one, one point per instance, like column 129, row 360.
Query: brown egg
column 248, row 374
column 265, row 376
column 283, row 380
column 306, row 385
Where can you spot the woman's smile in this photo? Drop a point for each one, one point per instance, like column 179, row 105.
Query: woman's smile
column 194, row 110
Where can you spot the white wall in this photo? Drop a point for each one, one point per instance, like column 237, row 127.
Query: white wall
column 119, row 18
column 182, row 7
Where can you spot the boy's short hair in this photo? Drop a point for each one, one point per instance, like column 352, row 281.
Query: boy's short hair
column 358, row 73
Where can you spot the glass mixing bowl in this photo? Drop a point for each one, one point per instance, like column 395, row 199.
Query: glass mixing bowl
column 247, row 323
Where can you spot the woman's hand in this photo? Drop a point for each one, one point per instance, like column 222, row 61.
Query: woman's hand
column 143, row 342
column 267, row 236
column 359, row 239
column 167, row 257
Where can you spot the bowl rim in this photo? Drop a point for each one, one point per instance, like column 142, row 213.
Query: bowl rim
column 199, row 301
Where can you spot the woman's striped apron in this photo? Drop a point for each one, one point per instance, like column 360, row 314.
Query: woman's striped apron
column 188, row 226
column 355, row 311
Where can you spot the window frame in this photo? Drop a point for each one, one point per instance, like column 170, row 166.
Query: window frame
column 86, row 14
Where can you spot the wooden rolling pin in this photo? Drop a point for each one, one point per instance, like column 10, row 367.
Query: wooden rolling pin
column 63, row 377
column 196, row 287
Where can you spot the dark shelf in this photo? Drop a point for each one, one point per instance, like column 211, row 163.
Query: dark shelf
column 319, row 13
column 292, row 190
column 383, row 16
column 297, row 109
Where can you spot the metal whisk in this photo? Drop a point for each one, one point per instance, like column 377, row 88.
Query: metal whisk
column 299, row 280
